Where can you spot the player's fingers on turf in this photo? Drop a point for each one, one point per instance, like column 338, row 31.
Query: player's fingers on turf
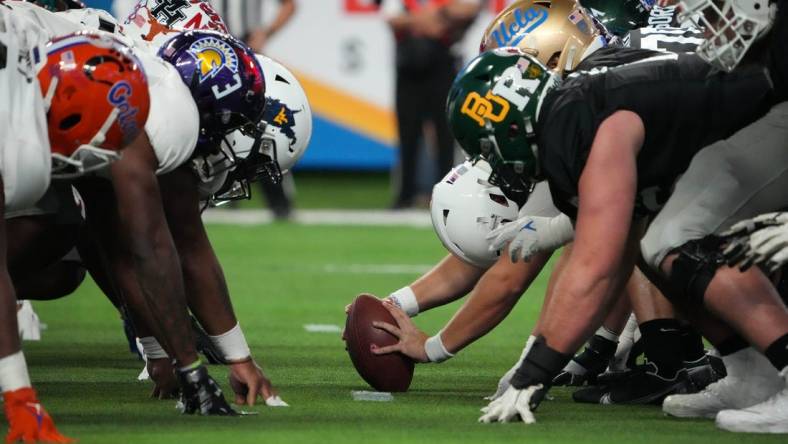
column 240, row 399
column 347, row 308
column 267, row 390
column 394, row 330
column 255, row 389
column 525, row 414
column 387, row 349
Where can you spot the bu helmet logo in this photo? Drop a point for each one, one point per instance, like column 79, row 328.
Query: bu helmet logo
column 212, row 55
column 481, row 108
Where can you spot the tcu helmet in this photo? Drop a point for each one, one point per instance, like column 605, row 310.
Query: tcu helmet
column 97, row 100
column 287, row 123
column 465, row 208
column 559, row 33
column 225, row 80
column 492, row 110
column 733, row 25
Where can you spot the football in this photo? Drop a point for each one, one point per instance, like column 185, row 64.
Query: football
column 389, row 373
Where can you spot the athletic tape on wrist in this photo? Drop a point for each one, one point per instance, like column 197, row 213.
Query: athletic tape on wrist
column 541, row 365
column 436, row 351
column 607, row 334
column 405, row 299
column 13, row 372
column 152, row 348
column 232, row 344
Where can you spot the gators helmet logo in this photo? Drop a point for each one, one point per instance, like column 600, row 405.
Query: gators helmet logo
column 281, row 116
column 212, row 56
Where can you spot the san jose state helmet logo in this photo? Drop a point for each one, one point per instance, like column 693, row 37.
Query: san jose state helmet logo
column 212, row 56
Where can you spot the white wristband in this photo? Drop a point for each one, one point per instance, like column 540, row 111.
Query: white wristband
column 13, row 372
column 405, row 299
column 436, row 351
column 232, row 344
column 152, row 349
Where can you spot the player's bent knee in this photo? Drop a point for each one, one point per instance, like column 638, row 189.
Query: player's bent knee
column 693, row 269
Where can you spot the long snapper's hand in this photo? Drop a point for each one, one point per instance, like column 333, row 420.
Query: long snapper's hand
column 411, row 339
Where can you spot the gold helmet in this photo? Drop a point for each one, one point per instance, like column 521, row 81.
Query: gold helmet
column 557, row 32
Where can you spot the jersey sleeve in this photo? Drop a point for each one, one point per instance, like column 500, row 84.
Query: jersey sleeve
column 565, row 139
column 173, row 121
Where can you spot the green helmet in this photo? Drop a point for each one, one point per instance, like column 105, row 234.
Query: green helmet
column 620, row 16
column 492, row 110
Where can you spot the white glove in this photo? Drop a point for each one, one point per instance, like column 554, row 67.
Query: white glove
column 762, row 240
column 513, row 404
column 748, row 226
column 769, row 247
column 505, row 381
column 530, row 235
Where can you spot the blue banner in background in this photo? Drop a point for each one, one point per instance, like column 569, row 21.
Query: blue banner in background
column 99, row 4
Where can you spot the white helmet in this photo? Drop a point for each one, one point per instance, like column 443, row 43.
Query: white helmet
column 465, row 208
column 732, row 26
column 286, row 131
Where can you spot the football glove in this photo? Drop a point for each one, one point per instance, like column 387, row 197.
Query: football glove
column 201, row 395
column 762, row 240
column 530, row 235
column 514, row 404
column 506, row 379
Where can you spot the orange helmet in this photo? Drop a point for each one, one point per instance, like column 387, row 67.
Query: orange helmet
column 97, row 100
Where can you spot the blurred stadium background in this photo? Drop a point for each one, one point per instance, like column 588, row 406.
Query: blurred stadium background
column 343, row 53
column 284, row 276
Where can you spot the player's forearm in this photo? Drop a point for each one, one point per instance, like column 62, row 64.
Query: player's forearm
column 491, row 301
column 206, row 291
column 448, row 281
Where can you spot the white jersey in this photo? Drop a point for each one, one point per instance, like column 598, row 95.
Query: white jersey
column 173, row 123
column 157, row 21
column 25, row 159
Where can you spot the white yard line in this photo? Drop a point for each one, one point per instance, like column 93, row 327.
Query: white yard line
column 322, row 328
column 407, row 218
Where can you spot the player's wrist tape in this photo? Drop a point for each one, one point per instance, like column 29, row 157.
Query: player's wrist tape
column 13, row 372
column 436, row 351
column 405, row 299
column 152, row 348
column 232, row 344
column 541, row 365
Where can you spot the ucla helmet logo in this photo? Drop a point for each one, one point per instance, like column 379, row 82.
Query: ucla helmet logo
column 212, row 56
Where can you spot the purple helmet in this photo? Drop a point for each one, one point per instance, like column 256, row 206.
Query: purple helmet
column 225, row 80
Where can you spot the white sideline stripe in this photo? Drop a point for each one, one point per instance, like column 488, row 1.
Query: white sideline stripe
column 408, row 218
column 377, row 268
column 322, row 328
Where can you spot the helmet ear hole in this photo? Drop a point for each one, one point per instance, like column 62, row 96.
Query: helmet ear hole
column 445, row 216
column 514, row 131
column 70, row 122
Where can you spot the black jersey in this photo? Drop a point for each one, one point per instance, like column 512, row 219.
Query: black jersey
column 778, row 51
column 665, row 33
column 684, row 106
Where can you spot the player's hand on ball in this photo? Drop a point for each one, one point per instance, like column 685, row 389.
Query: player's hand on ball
column 411, row 339
column 248, row 382
column 162, row 373
column 514, row 405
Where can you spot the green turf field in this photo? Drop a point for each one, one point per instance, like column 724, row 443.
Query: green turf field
column 282, row 277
